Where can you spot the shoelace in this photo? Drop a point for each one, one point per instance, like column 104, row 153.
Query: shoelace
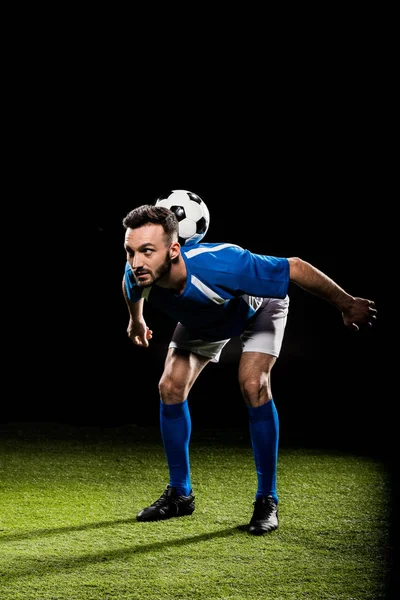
column 162, row 498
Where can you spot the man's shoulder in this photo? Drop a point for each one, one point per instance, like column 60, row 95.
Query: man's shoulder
column 212, row 250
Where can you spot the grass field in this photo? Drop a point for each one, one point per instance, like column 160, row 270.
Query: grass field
column 69, row 497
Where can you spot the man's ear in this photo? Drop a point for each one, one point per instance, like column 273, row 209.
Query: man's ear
column 174, row 250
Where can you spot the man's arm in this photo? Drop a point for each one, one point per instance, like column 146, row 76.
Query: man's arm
column 137, row 330
column 355, row 311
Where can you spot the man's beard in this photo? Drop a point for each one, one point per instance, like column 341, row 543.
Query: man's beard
column 158, row 274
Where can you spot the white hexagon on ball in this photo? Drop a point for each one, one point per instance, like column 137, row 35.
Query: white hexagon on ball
column 187, row 228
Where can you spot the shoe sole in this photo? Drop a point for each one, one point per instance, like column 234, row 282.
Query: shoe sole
column 142, row 519
column 260, row 531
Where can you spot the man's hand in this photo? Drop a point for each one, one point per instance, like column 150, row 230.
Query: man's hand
column 359, row 312
column 139, row 333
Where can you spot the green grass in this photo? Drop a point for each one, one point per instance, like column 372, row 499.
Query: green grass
column 69, row 497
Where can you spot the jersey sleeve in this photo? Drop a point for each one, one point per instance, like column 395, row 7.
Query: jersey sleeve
column 133, row 292
column 243, row 272
column 267, row 276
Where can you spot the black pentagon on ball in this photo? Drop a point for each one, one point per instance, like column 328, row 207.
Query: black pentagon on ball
column 194, row 197
column 201, row 225
column 179, row 212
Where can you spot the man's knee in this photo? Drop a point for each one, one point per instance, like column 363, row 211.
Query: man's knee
column 171, row 390
column 256, row 391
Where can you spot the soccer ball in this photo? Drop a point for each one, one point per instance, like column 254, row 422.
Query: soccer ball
column 192, row 214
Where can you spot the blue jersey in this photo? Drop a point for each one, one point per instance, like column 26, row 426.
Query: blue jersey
column 214, row 304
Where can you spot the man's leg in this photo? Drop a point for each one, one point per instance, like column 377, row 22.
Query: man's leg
column 181, row 370
column 261, row 345
column 255, row 383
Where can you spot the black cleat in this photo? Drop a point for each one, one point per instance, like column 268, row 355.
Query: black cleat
column 170, row 504
column 265, row 516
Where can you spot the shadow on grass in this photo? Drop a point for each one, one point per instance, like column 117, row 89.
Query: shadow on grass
column 29, row 535
column 42, row 566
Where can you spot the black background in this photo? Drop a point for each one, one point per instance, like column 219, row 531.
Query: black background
column 76, row 364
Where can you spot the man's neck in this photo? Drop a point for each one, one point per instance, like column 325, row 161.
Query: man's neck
column 176, row 278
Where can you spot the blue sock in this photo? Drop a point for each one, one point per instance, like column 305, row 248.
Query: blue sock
column 176, row 427
column 264, row 433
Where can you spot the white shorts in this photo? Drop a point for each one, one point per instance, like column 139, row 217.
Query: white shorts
column 265, row 332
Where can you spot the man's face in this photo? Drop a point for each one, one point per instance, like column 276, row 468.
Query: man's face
column 147, row 253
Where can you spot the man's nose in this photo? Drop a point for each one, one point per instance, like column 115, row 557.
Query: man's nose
column 137, row 262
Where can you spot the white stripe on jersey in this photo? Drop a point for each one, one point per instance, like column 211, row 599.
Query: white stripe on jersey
column 197, row 251
column 206, row 290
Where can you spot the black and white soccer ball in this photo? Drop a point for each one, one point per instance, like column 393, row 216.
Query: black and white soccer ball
column 191, row 211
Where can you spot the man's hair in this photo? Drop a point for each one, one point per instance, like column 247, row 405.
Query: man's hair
column 157, row 215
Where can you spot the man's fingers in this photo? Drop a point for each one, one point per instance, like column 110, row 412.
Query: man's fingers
column 140, row 342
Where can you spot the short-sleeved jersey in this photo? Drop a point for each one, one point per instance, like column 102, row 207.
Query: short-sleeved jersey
column 215, row 303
